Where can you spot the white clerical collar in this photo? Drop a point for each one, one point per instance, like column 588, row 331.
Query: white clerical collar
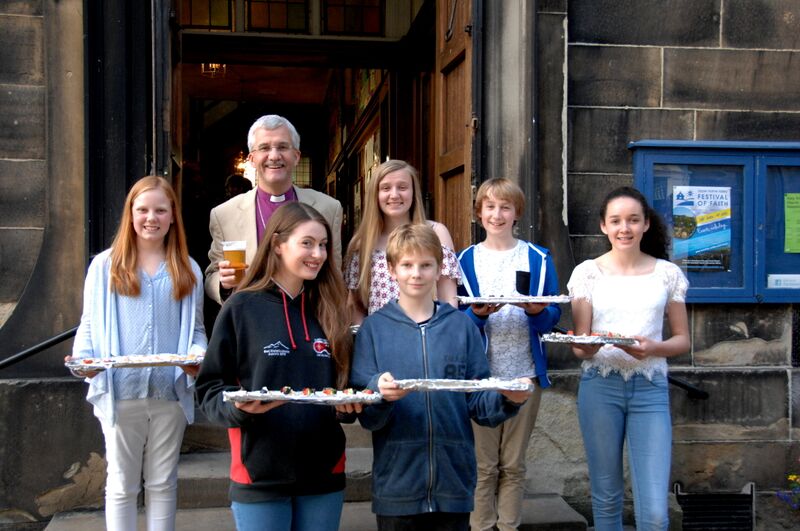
column 277, row 198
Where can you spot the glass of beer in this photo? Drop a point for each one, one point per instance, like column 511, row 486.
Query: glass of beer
column 233, row 251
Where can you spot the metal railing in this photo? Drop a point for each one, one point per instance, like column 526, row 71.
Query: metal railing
column 32, row 351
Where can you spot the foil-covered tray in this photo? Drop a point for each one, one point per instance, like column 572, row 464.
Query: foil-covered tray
column 444, row 384
column 328, row 397
column 133, row 361
column 513, row 299
column 594, row 339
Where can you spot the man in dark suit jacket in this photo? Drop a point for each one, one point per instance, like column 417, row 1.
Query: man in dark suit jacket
column 274, row 146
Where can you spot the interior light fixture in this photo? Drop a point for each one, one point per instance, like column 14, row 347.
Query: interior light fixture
column 240, row 163
column 213, row 69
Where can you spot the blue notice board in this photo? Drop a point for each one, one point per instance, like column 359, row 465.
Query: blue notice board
column 733, row 212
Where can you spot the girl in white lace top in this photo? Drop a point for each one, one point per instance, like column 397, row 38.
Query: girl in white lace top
column 623, row 396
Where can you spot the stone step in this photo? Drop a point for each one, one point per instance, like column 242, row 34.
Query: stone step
column 357, row 437
column 358, row 470
column 549, row 512
column 358, row 516
column 204, row 436
column 203, row 478
column 540, row 513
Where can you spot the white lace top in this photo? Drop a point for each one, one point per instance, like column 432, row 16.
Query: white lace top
column 628, row 305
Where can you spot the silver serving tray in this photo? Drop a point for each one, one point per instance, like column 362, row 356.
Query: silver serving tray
column 442, row 384
column 588, row 340
column 133, row 361
column 514, row 299
column 318, row 397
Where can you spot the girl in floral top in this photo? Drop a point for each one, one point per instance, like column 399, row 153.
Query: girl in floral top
column 623, row 397
column 393, row 199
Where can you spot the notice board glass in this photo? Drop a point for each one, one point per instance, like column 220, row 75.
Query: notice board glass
column 733, row 213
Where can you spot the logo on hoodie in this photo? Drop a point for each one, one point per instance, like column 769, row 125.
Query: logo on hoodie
column 276, row 349
column 321, row 346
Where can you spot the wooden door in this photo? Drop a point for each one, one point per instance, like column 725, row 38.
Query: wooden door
column 454, row 124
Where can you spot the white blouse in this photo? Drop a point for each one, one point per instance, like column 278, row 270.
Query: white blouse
column 628, row 305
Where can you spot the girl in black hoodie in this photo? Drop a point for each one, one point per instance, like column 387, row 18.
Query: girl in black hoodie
column 283, row 327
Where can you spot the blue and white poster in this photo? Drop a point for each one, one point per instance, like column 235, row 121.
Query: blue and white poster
column 701, row 227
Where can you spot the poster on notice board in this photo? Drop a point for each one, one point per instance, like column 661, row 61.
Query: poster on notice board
column 791, row 218
column 701, row 230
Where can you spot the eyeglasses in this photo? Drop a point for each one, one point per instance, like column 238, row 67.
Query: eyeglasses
column 266, row 148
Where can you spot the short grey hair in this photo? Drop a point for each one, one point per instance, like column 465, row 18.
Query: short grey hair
column 271, row 122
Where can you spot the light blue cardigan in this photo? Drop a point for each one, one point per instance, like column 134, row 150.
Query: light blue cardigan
column 98, row 336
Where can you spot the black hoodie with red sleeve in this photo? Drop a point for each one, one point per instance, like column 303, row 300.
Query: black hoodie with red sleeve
column 267, row 339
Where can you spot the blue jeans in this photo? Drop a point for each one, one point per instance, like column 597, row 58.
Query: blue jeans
column 300, row 513
column 611, row 412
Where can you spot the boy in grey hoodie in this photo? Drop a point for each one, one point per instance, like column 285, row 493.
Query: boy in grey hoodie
column 424, row 461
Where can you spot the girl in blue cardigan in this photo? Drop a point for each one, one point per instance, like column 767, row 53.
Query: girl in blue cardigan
column 144, row 295
column 511, row 334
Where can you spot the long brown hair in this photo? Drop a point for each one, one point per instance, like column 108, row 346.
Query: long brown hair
column 372, row 223
column 326, row 293
column 124, row 253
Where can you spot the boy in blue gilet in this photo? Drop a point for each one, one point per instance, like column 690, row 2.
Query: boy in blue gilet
column 501, row 265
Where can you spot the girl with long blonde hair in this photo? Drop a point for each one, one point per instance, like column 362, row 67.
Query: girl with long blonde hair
column 143, row 295
column 283, row 327
column 393, row 198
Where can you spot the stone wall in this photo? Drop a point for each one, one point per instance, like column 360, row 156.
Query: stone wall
column 689, row 70
column 52, row 451
column 42, row 178
column 47, row 432
column 22, row 147
column 692, row 70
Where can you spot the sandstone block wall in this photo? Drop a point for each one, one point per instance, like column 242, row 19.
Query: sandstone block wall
column 615, row 71
column 23, row 184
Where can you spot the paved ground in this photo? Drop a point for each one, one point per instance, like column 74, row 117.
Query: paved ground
column 357, row 517
column 541, row 513
column 188, row 519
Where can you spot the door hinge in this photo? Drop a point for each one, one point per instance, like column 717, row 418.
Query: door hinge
column 473, row 123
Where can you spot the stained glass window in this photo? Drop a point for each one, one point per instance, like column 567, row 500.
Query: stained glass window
column 353, row 17
column 206, row 14
column 278, row 15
